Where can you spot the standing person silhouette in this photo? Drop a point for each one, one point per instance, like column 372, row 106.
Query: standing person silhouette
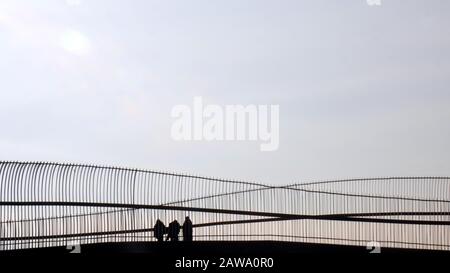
column 187, row 230
column 159, row 230
column 173, row 231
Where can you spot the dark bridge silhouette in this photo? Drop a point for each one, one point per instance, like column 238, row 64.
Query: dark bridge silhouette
column 49, row 204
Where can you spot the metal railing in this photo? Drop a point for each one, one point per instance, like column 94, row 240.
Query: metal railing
column 50, row 204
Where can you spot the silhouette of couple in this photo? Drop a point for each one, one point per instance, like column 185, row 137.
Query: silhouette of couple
column 173, row 230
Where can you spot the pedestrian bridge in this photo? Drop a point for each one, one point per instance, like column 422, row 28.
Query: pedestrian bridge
column 51, row 204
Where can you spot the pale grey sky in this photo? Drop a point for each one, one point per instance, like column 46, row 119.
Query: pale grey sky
column 363, row 90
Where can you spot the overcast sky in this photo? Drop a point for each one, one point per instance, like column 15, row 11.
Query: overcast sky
column 364, row 91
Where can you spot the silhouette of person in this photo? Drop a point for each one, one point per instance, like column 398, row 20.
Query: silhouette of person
column 173, row 231
column 187, row 230
column 159, row 230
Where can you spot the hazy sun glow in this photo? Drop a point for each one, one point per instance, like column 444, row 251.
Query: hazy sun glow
column 75, row 42
column 73, row 2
